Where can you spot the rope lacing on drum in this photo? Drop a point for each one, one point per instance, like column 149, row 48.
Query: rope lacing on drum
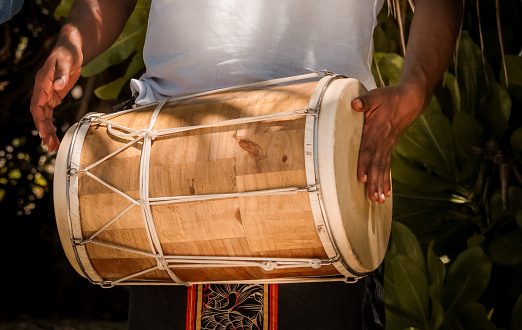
column 163, row 262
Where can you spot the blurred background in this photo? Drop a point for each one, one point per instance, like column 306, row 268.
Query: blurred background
column 457, row 234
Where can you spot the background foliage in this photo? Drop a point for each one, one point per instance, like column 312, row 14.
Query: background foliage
column 457, row 182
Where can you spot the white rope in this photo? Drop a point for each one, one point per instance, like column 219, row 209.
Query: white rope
column 111, row 222
column 144, row 197
column 112, row 154
column 133, row 275
column 145, row 202
column 193, row 198
column 238, row 121
column 119, row 192
column 317, row 74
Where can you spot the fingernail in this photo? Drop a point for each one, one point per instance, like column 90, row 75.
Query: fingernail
column 59, row 81
column 376, row 195
column 359, row 103
column 383, row 197
column 365, row 177
column 389, row 193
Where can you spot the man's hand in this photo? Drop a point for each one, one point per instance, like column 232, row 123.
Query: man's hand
column 388, row 112
column 53, row 81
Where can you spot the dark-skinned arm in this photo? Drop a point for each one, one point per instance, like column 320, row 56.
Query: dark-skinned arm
column 389, row 111
column 91, row 28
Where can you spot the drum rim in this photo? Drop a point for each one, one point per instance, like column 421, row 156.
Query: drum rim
column 64, row 201
column 326, row 170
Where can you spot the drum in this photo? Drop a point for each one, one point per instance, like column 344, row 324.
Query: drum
column 255, row 184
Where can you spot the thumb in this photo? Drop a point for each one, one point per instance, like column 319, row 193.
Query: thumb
column 61, row 75
column 367, row 101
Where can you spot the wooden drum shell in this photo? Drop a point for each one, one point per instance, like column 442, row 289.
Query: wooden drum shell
column 223, row 160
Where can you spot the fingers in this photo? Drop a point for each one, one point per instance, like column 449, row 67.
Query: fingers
column 52, row 83
column 376, row 145
column 374, row 168
column 61, row 74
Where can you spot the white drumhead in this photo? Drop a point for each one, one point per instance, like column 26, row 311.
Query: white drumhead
column 360, row 228
column 60, row 198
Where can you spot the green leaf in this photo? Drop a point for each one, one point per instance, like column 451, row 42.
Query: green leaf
column 514, row 204
column 514, row 70
column 437, row 312
column 427, row 141
column 472, row 75
column 474, row 316
column 451, row 83
column 468, row 134
column 506, row 248
column 396, row 318
column 495, row 110
column 412, row 288
column 467, row 279
column 2, row 194
column 436, row 269
column 451, row 322
column 415, row 176
column 130, row 40
column 112, row 90
column 475, row 240
column 403, row 242
column 516, row 316
column 62, row 10
column 390, row 67
column 516, row 140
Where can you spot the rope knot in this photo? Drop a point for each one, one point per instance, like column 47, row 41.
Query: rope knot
column 162, row 263
column 150, row 133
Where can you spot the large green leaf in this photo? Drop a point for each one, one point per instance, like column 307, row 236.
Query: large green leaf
column 468, row 134
column 516, row 140
column 437, row 312
column 506, row 248
column 429, row 141
column 113, row 89
column 130, row 40
column 436, row 270
column 390, row 67
column 474, row 316
column 411, row 284
column 514, row 70
column 472, row 75
column 516, row 316
column 403, row 242
column 416, row 177
column 452, row 85
column 495, row 110
column 514, row 204
column 467, row 279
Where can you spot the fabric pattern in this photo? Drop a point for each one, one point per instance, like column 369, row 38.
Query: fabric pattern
column 232, row 306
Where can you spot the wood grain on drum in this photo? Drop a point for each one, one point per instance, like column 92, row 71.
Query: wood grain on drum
column 239, row 158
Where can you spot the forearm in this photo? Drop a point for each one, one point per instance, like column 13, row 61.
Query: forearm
column 431, row 41
column 92, row 26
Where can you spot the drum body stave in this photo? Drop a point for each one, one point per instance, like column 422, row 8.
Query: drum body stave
column 113, row 199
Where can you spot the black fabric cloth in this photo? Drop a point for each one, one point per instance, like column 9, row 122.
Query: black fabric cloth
column 313, row 306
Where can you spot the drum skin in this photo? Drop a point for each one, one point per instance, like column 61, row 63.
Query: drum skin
column 232, row 159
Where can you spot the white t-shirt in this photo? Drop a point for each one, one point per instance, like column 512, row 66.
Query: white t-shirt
column 199, row 45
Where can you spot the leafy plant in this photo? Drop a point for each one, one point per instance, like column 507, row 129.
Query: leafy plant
column 421, row 294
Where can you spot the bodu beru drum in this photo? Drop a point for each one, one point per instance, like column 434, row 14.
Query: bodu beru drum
column 255, row 184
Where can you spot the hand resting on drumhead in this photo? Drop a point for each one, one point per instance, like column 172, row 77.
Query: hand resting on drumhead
column 390, row 110
column 388, row 113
